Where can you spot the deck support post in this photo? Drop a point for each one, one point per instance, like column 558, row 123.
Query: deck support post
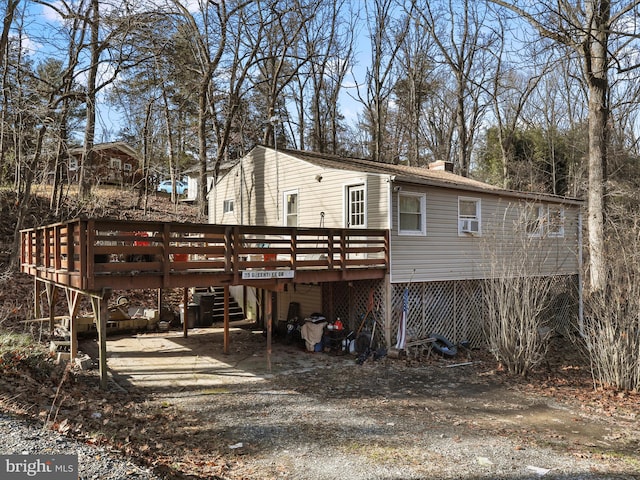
column 185, row 312
column 52, row 298
column 269, row 312
column 225, row 347
column 72, row 304
column 37, row 292
column 101, row 312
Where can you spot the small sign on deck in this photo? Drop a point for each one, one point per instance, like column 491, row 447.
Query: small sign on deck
column 267, row 274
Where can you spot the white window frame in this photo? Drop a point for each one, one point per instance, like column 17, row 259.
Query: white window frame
column 557, row 232
column 285, row 210
column 73, row 163
column 470, row 225
column 228, row 206
column 126, row 167
column 423, row 213
column 115, row 164
column 348, row 204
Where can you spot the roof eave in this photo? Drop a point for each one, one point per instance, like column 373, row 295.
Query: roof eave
column 532, row 196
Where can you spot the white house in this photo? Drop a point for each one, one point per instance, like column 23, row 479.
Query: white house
column 447, row 234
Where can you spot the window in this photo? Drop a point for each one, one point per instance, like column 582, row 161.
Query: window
column 73, row 163
column 468, row 216
column 227, row 206
column 412, row 214
column 535, row 220
column 291, row 208
column 126, row 167
column 356, row 207
column 555, row 221
column 545, row 221
column 115, row 163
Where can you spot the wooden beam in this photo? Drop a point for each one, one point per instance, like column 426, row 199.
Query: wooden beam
column 269, row 309
column 226, row 320
column 101, row 313
column 185, row 312
column 72, row 304
column 52, row 298
column 37, row 291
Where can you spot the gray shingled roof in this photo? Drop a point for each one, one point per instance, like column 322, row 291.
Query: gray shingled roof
column 416, row 175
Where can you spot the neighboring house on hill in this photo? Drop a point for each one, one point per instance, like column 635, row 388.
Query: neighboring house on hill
column 447, row 234
column 113, row 163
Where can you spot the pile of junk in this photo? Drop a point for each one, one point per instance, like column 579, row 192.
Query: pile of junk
column 316, row 333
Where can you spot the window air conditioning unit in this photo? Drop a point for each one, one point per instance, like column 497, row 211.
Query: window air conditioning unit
column 469, row 226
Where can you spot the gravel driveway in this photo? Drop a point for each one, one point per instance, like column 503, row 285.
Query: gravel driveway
column 302, row 416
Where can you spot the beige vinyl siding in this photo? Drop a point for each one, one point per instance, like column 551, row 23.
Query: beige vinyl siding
column 308, row 296
column 258, row 184
column 443, row 254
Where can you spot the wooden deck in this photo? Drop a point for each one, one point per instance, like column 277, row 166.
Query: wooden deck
column 96, row 254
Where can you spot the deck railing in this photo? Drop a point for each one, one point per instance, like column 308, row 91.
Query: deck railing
column 90, row 254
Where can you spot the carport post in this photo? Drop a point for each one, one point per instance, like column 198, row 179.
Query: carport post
column 185, row 312
column 101, row 313
column 269, row 308
column 225, row 347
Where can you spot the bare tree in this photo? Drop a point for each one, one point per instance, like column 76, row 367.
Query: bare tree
column 209, row 37
column 386, row 34
column 511, row 88
column 9, row 12
column 612, row 326
column 586, row 29
column 463, row 44
column 517, row 292
column 416, row 84
column 330, row 41
column 281, row 59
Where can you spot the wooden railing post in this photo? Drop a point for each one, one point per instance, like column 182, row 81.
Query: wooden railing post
column 38, row 248
column 293, row 248
column 343, row 249
column 83, row 227
column 331, row 248
column 166, row 266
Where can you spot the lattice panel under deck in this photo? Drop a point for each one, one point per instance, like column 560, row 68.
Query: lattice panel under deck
column 451, row 309
column 351, row 301
column 468, row 312
column 455, row 309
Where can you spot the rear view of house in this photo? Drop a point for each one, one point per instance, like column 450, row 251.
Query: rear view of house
column 447, row 235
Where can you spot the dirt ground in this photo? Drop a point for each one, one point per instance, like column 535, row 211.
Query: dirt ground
column 184, row 407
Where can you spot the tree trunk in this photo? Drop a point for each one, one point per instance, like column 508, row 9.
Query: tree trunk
column 24, row 197
column 202, row 148
column 596, row 64
column 86, row 165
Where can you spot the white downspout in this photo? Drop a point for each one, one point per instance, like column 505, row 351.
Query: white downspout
column 580, row 279
column 388, row 278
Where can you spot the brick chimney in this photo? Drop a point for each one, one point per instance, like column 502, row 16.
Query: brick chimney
column 441, row 165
